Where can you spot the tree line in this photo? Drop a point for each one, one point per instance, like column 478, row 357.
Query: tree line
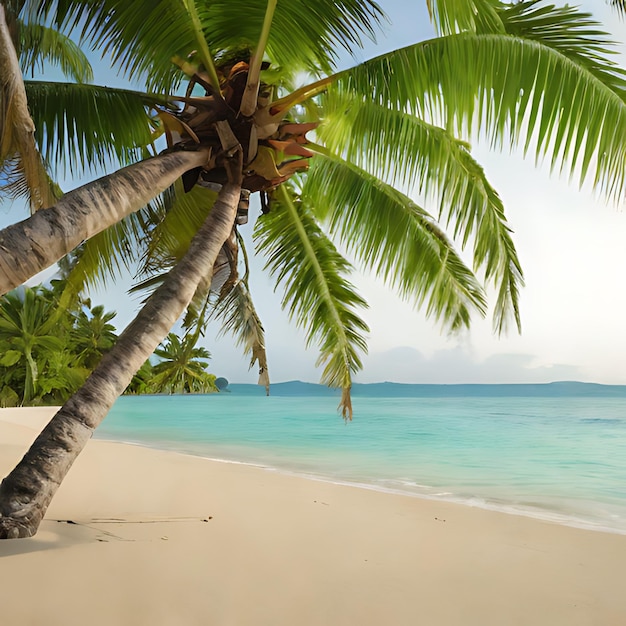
column 47, row 351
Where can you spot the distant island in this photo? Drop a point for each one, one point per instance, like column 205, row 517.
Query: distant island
column 403, row 390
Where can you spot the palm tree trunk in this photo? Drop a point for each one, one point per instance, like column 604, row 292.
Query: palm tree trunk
column 35, row 243
column 26, row 493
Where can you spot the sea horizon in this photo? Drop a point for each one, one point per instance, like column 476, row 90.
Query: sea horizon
column 553, row 388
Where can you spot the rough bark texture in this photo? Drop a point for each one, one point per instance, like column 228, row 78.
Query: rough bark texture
column 35, row 243
column 26, row 493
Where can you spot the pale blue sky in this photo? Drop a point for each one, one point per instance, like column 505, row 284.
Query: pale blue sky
column 572, row 249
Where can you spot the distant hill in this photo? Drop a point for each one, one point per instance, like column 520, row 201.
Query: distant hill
column 400, row 390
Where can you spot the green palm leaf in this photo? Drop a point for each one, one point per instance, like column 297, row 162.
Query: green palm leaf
column 395, row 238
column 181, row 218
column 402, row 148
column 572, row 33
column 455, row 16
column 515, row 88
column 81, row 127
column 304, row 35
column 101, row 259
column 620, row 5
column 42, row 44
column 128, row 31
column 317, row 295
column 568, row 30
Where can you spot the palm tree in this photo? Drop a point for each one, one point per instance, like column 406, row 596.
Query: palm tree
column 140, row 382
column 538, row 76
column 47, row 350
column 93, row 334
column 27, row 326
column 180, row 369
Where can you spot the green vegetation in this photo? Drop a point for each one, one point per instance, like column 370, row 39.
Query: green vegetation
column 181, row 369
column 48, row 351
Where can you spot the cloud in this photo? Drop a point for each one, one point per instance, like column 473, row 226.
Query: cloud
column 408, row 365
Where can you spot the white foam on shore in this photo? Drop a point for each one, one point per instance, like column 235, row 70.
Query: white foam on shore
column 408, row 489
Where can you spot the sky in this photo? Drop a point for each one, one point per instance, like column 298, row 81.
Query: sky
column 571, row 246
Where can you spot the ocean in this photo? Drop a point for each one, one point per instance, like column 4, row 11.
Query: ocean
column 556, row 452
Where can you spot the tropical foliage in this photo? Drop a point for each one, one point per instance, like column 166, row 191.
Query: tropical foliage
column 40, row 344
column 93, row 334
column 24, row 48
column 48, row 351
column 620, row 5
column 182, row 366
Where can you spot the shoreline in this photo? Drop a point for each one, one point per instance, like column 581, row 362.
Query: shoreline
column 37, row 417
column 138, row 535
column 554, row 516
column 543, row 513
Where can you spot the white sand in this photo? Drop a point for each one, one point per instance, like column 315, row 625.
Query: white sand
column 285, row 551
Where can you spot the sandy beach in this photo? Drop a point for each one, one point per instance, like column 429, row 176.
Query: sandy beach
column 139, row 536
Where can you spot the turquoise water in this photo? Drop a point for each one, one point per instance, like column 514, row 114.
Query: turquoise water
column 560, row 458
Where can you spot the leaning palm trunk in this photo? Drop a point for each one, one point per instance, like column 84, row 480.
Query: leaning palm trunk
column 35, row 243
column 26, row 493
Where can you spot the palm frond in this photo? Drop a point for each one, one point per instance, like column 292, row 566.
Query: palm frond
column 183, row 215
column 568, row 30
column 238, row 315
column 80, row 127
column 103, row 257
column 17, row 144
column 399, row 147
column 392, row 236
column 620, row 5
column 571, row 32
column 513, row 88
column 127, row 31
column 455, row 16
column 319, row 28
column 317, row 295
column 239, row 318
column 43, row 44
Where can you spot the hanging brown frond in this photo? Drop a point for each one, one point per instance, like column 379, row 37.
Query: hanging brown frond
column 236, row 311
